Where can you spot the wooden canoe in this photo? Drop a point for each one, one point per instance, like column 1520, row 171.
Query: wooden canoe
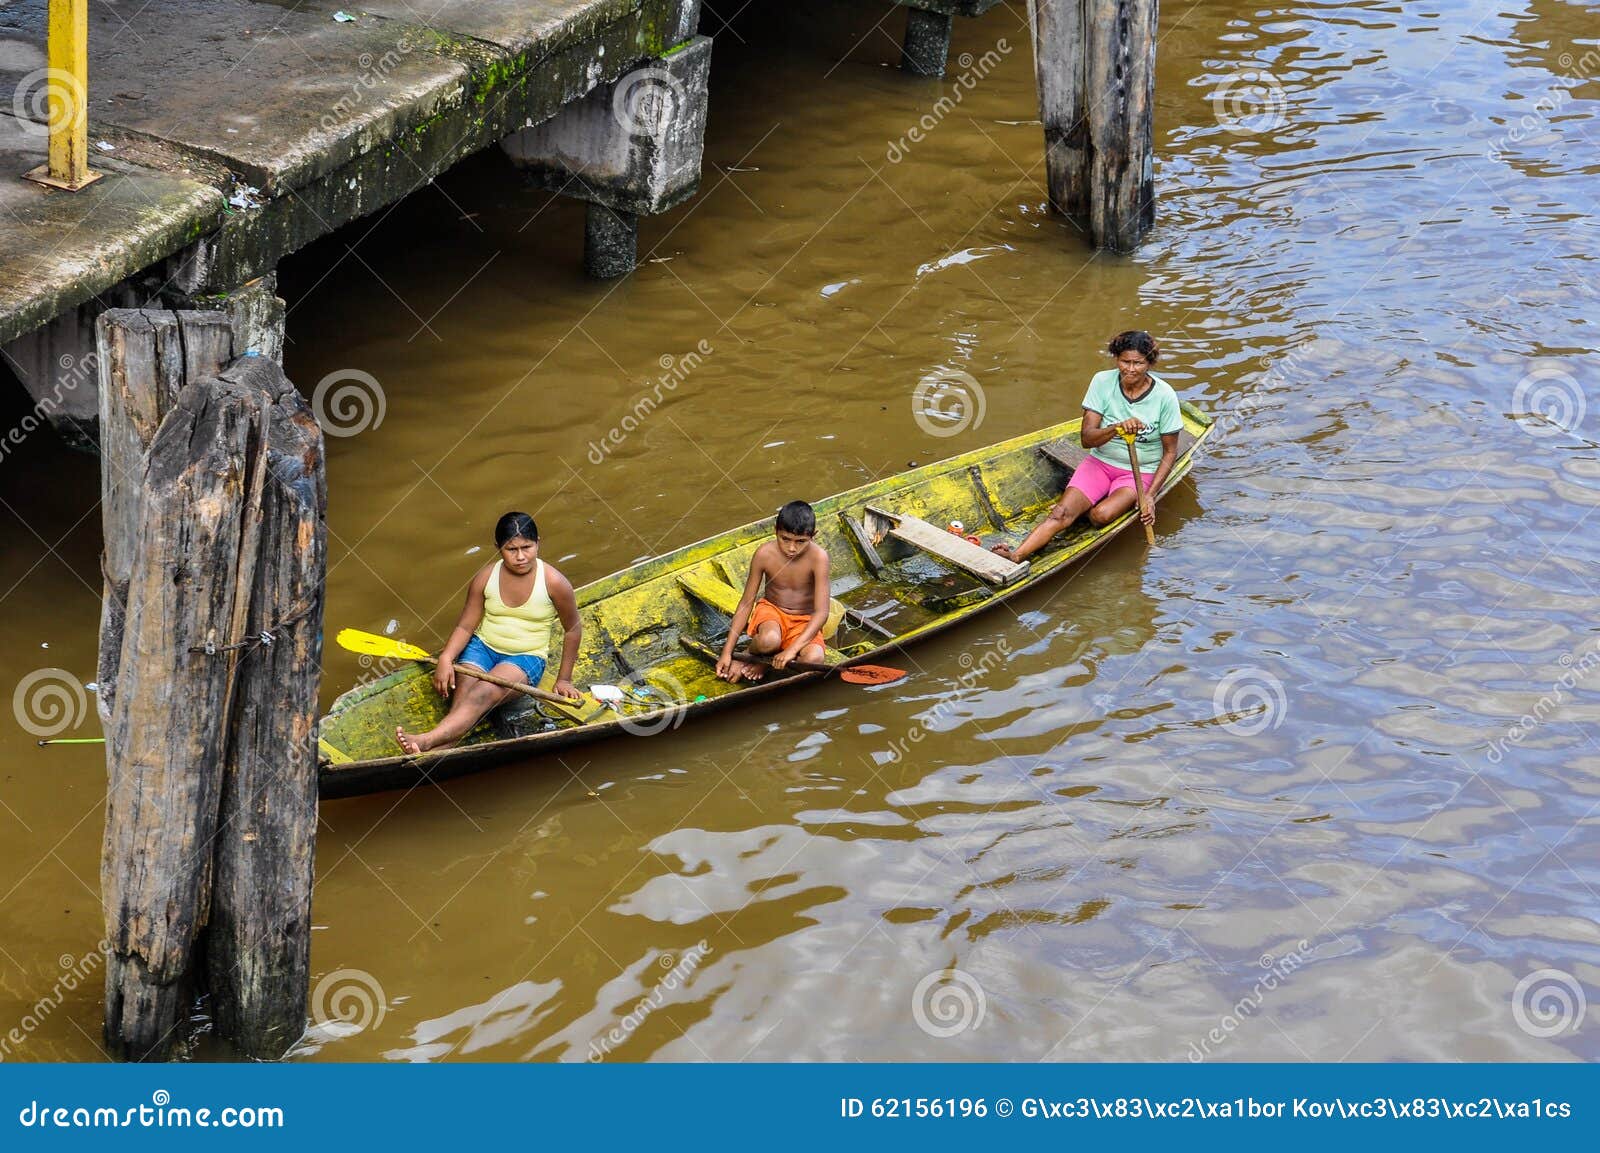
column 896, row 569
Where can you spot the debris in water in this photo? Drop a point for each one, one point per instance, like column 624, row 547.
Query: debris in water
column 103, row 146
column 389, row 629
column 344, row 17
column 474, row 548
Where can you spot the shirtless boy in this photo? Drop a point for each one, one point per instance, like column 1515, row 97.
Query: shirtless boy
column 788, row 619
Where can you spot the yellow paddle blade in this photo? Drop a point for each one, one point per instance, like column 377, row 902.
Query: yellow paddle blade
column 373, row 645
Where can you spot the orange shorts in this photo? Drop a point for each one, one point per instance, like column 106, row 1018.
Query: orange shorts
column 791, row 625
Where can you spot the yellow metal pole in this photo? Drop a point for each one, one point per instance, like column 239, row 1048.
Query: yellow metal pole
column 68, row 94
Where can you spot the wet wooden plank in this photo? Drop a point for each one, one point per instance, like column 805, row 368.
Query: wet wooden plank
column 948, row 547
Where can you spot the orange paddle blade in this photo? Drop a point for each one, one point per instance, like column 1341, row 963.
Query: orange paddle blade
column 870, row 674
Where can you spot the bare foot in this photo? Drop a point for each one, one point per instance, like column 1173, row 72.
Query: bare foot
column 746, row 671
column 1004, row 550
column 412, row 745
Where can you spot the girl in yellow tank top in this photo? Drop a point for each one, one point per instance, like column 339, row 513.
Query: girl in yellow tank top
column 506, row 627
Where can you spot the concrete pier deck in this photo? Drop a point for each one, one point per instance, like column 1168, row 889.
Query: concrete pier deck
column 232, row 132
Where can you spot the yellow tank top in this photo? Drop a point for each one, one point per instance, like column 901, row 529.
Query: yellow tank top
column 523, row 630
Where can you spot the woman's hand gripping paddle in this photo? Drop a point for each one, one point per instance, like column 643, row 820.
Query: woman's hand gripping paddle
column 1138, row 486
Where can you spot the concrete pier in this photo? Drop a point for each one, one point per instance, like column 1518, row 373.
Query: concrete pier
column 233, row 132
column 925, row 51
column 629, row 148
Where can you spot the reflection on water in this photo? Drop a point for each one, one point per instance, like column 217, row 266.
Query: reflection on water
column 1259, row 792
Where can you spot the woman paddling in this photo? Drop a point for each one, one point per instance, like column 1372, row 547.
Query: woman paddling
column 505, row 628
column 1129, row 397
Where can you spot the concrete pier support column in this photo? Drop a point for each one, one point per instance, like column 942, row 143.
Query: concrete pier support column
column 630, row 148
column 610, row 242
column 926, row 48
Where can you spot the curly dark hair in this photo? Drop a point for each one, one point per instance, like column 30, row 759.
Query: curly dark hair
column 1135, row 340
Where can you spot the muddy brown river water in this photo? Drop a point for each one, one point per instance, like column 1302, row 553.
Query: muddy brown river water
column 1315, row 777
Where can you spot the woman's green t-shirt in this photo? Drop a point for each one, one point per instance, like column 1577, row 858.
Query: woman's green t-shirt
column 1158, row 408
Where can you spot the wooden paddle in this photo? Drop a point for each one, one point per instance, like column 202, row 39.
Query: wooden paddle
column 1138, row 484
column 371, row 644
column 850, row 674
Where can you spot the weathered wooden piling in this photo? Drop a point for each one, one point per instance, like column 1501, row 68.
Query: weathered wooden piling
column 258, row 944
column 1095, row 64
column 211, row 802
column 145, row 359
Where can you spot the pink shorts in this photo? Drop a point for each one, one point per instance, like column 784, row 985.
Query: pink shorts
column 1096, row 479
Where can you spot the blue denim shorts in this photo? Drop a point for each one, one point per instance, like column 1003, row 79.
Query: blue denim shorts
column 481, row 656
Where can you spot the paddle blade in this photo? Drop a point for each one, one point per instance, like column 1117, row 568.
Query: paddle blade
column 372, row 645
column 870, row 674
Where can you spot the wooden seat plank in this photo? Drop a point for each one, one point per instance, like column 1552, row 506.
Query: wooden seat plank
column 1067, row 453
column 710, row 590
column 948, row 547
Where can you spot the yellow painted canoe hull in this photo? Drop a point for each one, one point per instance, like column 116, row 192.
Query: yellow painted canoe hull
column 646, row 628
